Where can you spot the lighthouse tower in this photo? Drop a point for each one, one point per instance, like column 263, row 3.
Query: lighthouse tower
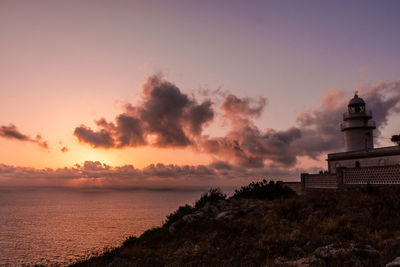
column 358, row 126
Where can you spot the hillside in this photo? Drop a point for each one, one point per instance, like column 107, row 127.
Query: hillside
column 266, row 224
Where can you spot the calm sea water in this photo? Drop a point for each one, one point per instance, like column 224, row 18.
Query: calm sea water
column 59, row 226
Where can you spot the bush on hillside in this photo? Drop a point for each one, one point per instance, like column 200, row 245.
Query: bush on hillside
column 212, row 195
column 264, row 190
column 129, row 241
column 179, row 213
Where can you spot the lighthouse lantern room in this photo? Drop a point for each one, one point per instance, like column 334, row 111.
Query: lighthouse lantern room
column 358, row 126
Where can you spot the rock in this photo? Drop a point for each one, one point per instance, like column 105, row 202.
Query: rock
column 334, row 250
column 185, row 249
column 395, row 262
column 302, row 262
column 209, row 207
column 171, row 228
column 340, row 250
column 223, row 215
column 190, row 218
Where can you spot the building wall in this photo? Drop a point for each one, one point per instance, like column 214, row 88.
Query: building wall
column 378, row 175
column 319, row 181
column 372, row 175
column 364, row 162
column 358, row 139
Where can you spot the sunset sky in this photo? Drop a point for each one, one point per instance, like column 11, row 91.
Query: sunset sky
column 168, row 93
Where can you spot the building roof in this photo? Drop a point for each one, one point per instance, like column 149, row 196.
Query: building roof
column 376, row 152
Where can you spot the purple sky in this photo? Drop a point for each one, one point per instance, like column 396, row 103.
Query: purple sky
column 70, row 63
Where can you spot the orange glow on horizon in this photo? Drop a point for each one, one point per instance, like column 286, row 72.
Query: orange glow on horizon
column 30, row 155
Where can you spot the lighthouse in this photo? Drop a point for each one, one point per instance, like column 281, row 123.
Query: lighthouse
column 357, row 126
column 361, row 164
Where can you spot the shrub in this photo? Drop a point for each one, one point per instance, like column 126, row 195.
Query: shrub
column 129, row 241
column 178, row 214
column 264, row 190
column 155, row 237
column 212, row 195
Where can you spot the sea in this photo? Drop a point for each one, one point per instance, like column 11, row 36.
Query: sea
column 59, row 226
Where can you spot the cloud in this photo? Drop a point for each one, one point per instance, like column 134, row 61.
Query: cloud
column 316, row 132
column 11, row 132
column 101, row 138
column 165, row 117
column 97, row 174
column 320, row 126
column 383, row 99
column 234, row 107
column 245, row 144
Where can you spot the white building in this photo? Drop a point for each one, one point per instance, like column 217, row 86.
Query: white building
column 359, row 144
column 361, row 163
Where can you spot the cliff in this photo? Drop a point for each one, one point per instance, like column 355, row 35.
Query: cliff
column 265, row 228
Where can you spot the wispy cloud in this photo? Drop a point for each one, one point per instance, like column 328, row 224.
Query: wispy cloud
column 11, row 132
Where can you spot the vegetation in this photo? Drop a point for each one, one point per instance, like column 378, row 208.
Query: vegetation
column 212, row 195
column 359, row 228
column 178, row 214
column 396, row 139
column 264, row 190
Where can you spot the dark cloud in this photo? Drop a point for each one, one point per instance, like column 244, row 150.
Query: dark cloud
column 245, row 144
column 11, row 132
column 165, row 117
column 199, row 115
column 101, row 138
column 234, row 107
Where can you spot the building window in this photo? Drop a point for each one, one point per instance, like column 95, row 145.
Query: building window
column 357, row 164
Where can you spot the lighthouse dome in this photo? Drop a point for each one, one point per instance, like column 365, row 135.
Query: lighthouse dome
column 356, row 101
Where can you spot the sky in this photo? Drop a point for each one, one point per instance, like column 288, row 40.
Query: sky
column 176, row 93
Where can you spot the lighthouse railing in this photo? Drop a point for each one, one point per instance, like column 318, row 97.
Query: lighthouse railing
column 369, row 124
column 348, row 115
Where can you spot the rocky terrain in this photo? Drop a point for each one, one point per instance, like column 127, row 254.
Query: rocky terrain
column 358, row 228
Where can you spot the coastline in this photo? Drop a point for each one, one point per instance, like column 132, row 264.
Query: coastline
column 317, row 229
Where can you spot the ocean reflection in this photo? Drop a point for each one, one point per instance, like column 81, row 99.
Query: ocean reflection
column 58, row 226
